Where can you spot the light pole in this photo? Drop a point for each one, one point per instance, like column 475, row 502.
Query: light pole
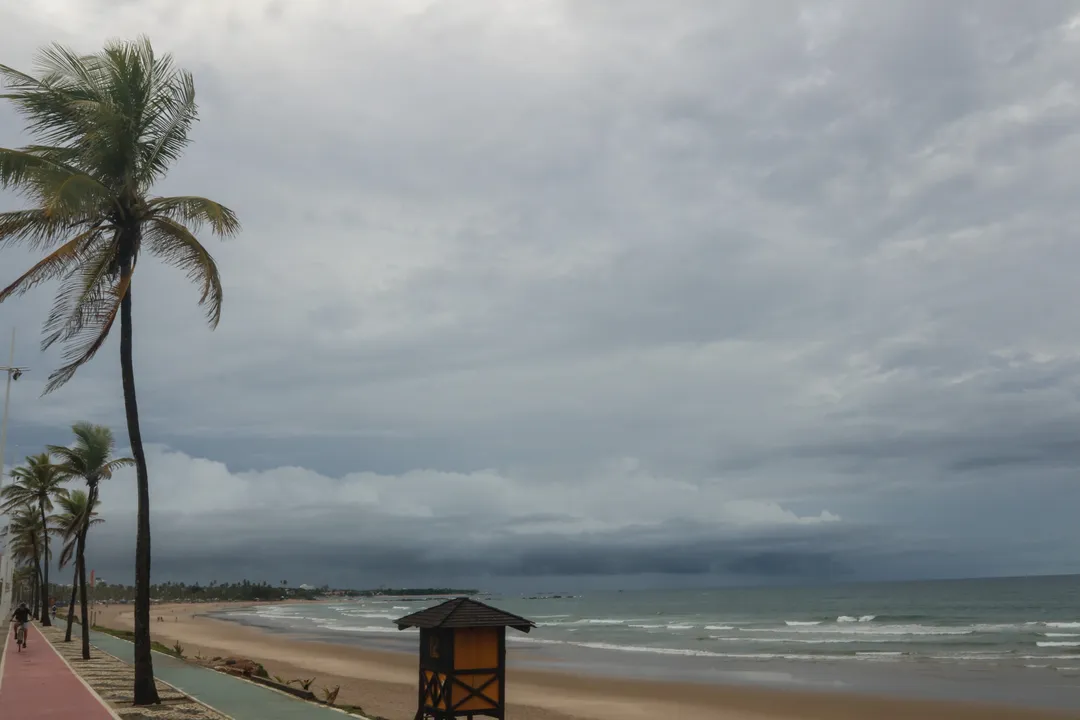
column 13, row 373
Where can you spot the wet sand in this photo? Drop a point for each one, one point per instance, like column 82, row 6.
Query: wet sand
column 384, row 683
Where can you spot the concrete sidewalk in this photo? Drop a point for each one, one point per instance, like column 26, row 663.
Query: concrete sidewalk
column 237, row 698
column 38, row 684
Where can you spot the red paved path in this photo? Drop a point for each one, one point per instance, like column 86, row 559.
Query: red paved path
column 37, row 684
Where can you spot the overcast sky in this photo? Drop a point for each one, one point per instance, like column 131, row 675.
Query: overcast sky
column 600, row 292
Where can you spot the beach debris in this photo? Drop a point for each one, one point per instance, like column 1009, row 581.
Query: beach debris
column 330, row 695
column 240, row 667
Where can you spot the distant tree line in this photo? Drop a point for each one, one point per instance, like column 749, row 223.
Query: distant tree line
column 248, row 591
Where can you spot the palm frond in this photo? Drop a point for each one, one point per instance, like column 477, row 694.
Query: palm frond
column 171, row 116
column 81, row 297
column 109, row 468
column 176, row 246
column 37, row 228
column 195, row 212
column 55, row 265
column 91, row 336
column 62, row 185
column 48, row 103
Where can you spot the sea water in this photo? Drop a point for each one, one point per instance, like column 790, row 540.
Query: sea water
column 1017, row 636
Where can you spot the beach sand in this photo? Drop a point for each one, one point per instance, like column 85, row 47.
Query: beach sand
column 384, row 683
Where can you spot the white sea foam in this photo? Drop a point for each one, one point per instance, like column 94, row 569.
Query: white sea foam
column 707, row 653
column 800, row 623
column 850, row 619
column 648, row 627
column 1063, row 624
column 1056, row 643
column 603, row 621
column 719, row 627
column 804, row 641
column 866, row 629
column 379, row 629
column 680, row 627
column 534, row 640
column 1048, row 634
column 371, row 615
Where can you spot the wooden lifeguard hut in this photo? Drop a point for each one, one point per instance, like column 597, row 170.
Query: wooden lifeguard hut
column 462, row 658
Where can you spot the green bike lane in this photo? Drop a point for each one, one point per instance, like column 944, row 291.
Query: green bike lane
column 239, row 699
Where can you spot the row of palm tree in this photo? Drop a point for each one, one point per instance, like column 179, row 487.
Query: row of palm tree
column 107, row 128
column 38, row 488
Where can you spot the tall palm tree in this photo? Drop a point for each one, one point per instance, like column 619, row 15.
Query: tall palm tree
column 109, row 125
column 27, row 534
column 37, row 483
column 90, row 458
column 72, row 523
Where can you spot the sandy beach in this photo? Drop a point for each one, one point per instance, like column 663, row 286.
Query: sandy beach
column 384, row 683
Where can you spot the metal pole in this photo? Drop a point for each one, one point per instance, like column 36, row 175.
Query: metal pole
column 5, row 566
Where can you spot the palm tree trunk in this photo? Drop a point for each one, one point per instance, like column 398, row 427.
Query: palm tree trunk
column 36, row 592
column 74, row 594
column 80, row 569
column 84, row 615
column 145, row 691
column 45, row 620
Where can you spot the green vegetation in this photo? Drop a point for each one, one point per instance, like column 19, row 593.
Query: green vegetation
column 248, row 591
column 34, row 487
column 107, row 127
column 72, row 525
column 244, row 591
column 130, row 637
column 37, row 487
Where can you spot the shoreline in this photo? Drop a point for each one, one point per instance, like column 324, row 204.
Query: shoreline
column 383, row 681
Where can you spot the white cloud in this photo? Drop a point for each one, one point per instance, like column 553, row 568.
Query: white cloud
column 618, row 496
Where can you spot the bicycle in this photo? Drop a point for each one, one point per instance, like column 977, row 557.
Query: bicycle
column 20, row 636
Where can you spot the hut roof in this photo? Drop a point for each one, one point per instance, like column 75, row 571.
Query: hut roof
column 463, row 612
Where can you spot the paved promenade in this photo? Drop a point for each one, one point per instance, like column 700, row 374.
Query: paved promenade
column 37, row 684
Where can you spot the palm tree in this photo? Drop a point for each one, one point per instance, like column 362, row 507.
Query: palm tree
column 25, row 576
column 38, row 483
column 110, row 125
column 26, row 543
column 72, row 525
column 90, row 458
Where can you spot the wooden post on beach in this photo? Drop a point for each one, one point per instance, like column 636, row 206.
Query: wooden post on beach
column 462, row 659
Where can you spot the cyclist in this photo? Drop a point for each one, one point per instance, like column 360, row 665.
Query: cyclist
column 21, row 618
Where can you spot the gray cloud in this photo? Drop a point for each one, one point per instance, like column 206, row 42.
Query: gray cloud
column 819, row 255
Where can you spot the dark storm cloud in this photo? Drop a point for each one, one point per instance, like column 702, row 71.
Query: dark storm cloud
column 754, row 268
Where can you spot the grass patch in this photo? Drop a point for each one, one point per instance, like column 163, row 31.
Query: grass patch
column 130, row 637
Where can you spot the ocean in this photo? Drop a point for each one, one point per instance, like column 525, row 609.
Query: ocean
column 1008, row 639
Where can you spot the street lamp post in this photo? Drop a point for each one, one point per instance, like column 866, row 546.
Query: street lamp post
column 6, row 570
